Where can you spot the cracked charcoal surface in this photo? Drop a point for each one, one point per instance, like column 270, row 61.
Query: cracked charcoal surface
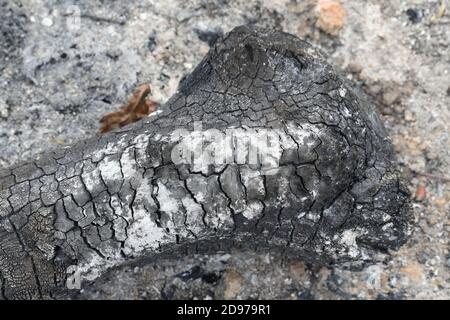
column 336, row 197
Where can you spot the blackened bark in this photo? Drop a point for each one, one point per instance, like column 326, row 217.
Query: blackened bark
column 334, row 197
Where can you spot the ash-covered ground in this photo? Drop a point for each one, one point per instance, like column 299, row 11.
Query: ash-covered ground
column 63, row 66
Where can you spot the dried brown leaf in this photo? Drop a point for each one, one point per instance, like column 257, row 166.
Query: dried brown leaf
column 138, row 107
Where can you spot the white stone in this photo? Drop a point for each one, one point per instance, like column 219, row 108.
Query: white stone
column 47, row 22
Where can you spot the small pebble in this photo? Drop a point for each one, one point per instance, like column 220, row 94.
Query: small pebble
column 151, row 43
column 413, row 15
column 47, row 22
column 421, row 192
column 4, row 113
column 409, row 116
column 330, row 16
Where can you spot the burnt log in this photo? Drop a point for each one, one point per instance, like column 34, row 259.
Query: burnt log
column 263, row 147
